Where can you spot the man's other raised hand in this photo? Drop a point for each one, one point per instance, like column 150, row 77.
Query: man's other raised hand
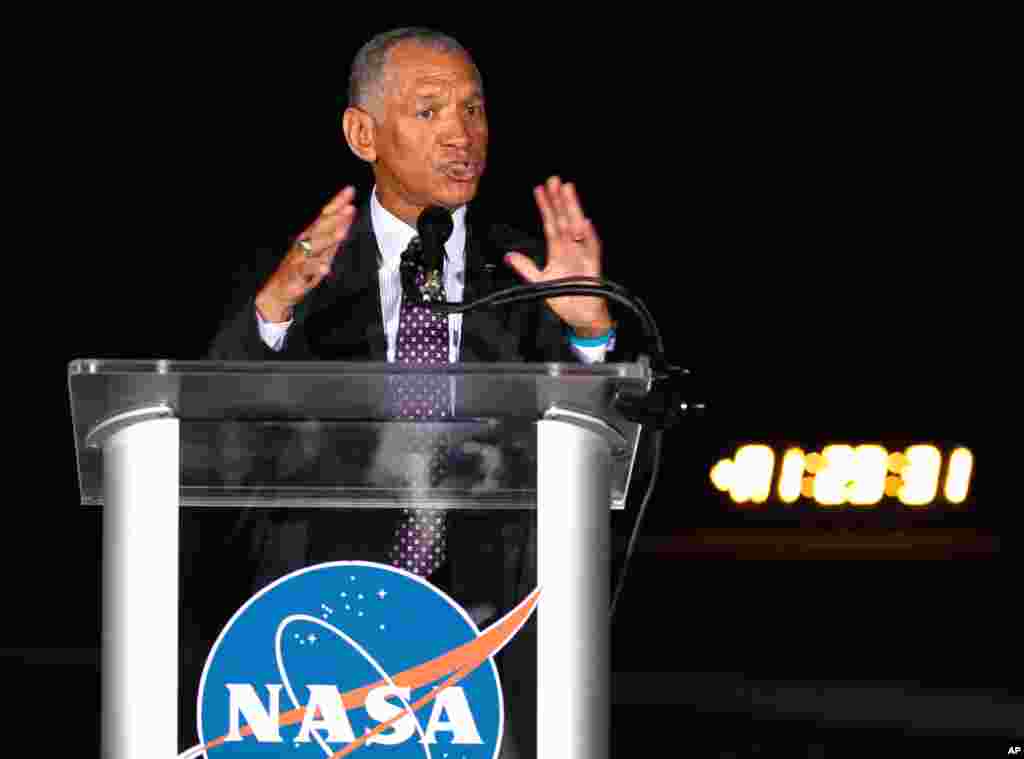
column 301, row 270
column 573, row 250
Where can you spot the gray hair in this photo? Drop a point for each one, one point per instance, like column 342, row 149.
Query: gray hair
column 366, row 81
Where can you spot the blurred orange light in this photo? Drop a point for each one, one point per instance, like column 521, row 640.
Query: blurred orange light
column 869, row 463
column 892, row 486
column 791, row 476
column 958, row 478
column 814, row 463
column 920, row 475
column 833, row 481
column 721, row 474
column 753, row 468
column 896, row 462
column 841, row 474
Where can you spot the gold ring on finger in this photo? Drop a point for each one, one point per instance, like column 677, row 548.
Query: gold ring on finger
column 306, row 245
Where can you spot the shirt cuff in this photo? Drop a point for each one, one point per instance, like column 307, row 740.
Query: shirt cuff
column 272, row 333
column 591, row 350
column 589, row 355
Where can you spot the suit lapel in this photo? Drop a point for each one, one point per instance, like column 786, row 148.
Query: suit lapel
column 485, row 335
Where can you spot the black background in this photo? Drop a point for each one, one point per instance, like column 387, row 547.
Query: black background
column 799, row 200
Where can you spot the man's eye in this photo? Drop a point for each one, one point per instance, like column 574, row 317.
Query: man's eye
column 426, row 113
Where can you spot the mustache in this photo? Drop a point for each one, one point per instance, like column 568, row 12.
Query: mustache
column 473, row 160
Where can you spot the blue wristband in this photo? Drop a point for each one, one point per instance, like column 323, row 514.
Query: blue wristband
column 591, row 342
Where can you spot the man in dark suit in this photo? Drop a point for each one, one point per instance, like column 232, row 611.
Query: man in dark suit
column 417, row 116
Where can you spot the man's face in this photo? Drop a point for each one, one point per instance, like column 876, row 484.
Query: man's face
column 431, row 133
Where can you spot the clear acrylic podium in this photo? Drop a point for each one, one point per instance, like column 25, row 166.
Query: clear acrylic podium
column 154, row 436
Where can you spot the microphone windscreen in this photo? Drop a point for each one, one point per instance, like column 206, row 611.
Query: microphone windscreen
column 434, row 227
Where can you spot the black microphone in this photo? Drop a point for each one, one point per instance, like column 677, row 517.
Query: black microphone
column 434, row 226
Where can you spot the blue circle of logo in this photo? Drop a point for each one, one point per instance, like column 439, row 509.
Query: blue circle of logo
column 352, row 659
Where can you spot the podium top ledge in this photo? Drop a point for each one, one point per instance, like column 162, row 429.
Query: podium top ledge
column 94, row 366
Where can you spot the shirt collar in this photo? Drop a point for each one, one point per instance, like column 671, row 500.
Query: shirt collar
column 394, row 235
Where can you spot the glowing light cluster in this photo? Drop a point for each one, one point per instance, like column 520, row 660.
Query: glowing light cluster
column 841, row 474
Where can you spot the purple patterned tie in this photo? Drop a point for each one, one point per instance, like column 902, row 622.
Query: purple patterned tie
column 420, row 544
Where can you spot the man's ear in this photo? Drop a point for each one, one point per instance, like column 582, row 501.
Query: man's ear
column 360, row 133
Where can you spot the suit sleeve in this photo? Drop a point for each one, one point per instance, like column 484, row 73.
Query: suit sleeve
column 551, row 336
column 238, row 335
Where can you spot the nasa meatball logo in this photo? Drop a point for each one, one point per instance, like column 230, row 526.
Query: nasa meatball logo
column 354, row 659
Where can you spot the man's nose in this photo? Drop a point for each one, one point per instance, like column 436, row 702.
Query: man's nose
column 457, row 132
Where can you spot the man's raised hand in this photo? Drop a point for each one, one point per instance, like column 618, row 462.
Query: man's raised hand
column 574, row 250
column 305, row 266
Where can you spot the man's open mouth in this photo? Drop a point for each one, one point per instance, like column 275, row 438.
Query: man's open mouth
column 461, row 171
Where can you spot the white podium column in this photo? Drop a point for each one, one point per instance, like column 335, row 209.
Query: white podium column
column 573, row 631
column 141, row 472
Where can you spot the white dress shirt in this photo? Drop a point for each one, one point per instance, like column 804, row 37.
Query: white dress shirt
column 393, row 237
